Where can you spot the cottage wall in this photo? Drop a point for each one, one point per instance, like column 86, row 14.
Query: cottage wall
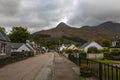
column 93, row 44
column 7, row 48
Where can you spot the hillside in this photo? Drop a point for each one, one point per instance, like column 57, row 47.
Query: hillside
column 106, row 30
column 68, row 35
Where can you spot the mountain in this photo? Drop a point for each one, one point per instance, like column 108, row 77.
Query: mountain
column 67, row 34
column 106, row 30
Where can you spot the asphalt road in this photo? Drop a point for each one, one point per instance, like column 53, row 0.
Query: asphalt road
column 35, row 68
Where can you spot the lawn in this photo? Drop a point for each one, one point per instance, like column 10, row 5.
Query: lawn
column 108, row 71
column 106, row 61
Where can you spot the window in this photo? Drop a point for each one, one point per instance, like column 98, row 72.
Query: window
column 3, row 47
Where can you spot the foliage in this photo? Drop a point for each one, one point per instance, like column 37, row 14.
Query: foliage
column 82, row 54
column 53, row 42
column 69, row 51
column 115, row 52
column 19, row 34
column 107, row 54
column 93, row 50
column 85, row 67
column 3, row 29
column 30, row 54
column 105, row 42
column 85, row 70
column 76, row 39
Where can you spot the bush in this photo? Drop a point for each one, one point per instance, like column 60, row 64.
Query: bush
column 85, row 71
column 93, row 50
column 115, row 52
column 82, row 54
column 69, row 51
column 107, row 54
column 30, row 54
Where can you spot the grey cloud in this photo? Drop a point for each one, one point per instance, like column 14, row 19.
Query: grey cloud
column 42, row 14
column 93, row 12
column 8, row 7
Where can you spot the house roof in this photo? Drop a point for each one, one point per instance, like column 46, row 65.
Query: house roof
column 86, row 44
column 16, row 45
column 3, row 36
column 29, row 47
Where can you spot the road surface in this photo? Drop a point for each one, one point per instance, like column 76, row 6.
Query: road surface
column 49, row 66
column 35, row 68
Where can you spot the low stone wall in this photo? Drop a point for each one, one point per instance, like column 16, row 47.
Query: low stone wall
column 100, row 56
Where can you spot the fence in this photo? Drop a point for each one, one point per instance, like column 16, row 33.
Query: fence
column 15, row 56
column 101, row 71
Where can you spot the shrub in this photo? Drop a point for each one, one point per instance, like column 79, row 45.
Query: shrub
column 107, row 54
column 85, row 71
column 93, row 50
column 85, row 67
column 30, row 54
column 114, row 53
column 69, row 51
column 82, row 54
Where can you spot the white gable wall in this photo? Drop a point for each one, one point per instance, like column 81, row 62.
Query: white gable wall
column 62, row 47
column 93, row 44
column 23, row 47
column 72, row 47
column 31, row 48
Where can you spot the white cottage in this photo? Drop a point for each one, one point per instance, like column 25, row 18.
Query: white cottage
column 115, row 45
column 72, row 47
column 5, row 46
column 19, row 47
column 63, row 47
column 87, row 45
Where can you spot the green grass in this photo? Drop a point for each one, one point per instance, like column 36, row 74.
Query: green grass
column 105, row 69
column 111, row 73
column 105, row 61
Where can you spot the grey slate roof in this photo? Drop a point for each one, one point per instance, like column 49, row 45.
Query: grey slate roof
column 3, row 36
column 16, row 45
column 86, row 44
column 29, row 47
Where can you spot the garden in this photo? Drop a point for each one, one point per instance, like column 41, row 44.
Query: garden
column 102, row 68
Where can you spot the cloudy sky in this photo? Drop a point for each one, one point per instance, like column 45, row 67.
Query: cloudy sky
column 37, row 15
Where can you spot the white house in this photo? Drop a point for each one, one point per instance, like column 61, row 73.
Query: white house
column 115, row 45
column 87, row 45
column 19, row 47
column 5, row 45
column 63, row 47
column 72, row 47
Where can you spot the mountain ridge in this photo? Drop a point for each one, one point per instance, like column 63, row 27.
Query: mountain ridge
column 106, row 30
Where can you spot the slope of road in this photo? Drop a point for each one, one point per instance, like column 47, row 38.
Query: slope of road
column 49, row 66
column 28, row 69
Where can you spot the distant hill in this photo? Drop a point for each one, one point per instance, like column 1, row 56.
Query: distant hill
column 106, row 30
column 68, row 35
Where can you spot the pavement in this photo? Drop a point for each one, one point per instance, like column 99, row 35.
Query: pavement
column 49, row 66
column 64, row 69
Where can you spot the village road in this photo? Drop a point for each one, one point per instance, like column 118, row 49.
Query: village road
column 35, row 68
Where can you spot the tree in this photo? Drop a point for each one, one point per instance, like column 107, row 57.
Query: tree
column 19, row 34
column 105, row 42
column 93, row 50
column 3, row 29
